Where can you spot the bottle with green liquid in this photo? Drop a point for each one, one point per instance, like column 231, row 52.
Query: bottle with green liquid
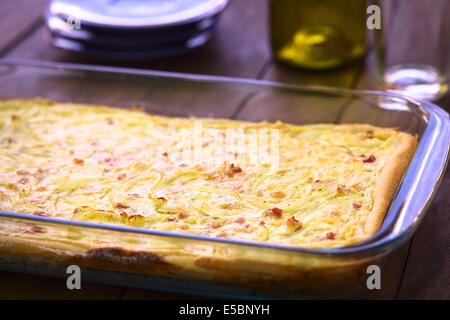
column 318, row 34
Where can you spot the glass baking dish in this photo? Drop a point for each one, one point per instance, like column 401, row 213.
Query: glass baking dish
column 217, row 266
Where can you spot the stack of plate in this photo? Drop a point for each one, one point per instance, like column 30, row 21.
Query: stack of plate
column 132, row 29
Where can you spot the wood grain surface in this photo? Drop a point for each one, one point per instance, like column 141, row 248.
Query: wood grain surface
column 418, row 270
column 18, row 19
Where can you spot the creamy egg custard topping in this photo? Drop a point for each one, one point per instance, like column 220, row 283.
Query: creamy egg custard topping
column 331, row 186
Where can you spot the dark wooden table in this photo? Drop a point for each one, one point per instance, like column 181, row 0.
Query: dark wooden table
column 418, row 270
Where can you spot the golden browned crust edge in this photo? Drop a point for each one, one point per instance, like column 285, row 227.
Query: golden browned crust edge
column 388, row 181
column 264, row 276
column 113, row 258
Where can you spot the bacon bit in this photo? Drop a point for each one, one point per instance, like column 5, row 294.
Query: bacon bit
column 370, row 133
column 38, row 172
column 23, row 172
column 370, row 159
column 110, row 161
column 340, row 190
column 165, row 154
column 182, row 215
column 262, row 223
column 185, row 226
column 172, row 219
column 278, row 194
column 309, row 180
column 232, row 170
column 277, row 212
column 36, row 229
column 330, row 236
column 78, row 161
column 119, row 205
column 222, row 234
column 274, row 211
column 15, row 117
column 39, row 213
column 110, row 121
column 294, row 223
column 11, row 140
column 215, row 224
column 23, row 181
column 107, row 160
column 42, row 188
column 240, row 220
column 135, row 195
column 76, row 210
column 183, row 165
column 356, row 206
column 334, row 213
column 121, row 176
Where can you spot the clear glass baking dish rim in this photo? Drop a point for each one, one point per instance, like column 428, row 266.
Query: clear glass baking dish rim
column 437, row 134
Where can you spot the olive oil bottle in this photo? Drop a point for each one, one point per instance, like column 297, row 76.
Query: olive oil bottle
column 318, row 34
